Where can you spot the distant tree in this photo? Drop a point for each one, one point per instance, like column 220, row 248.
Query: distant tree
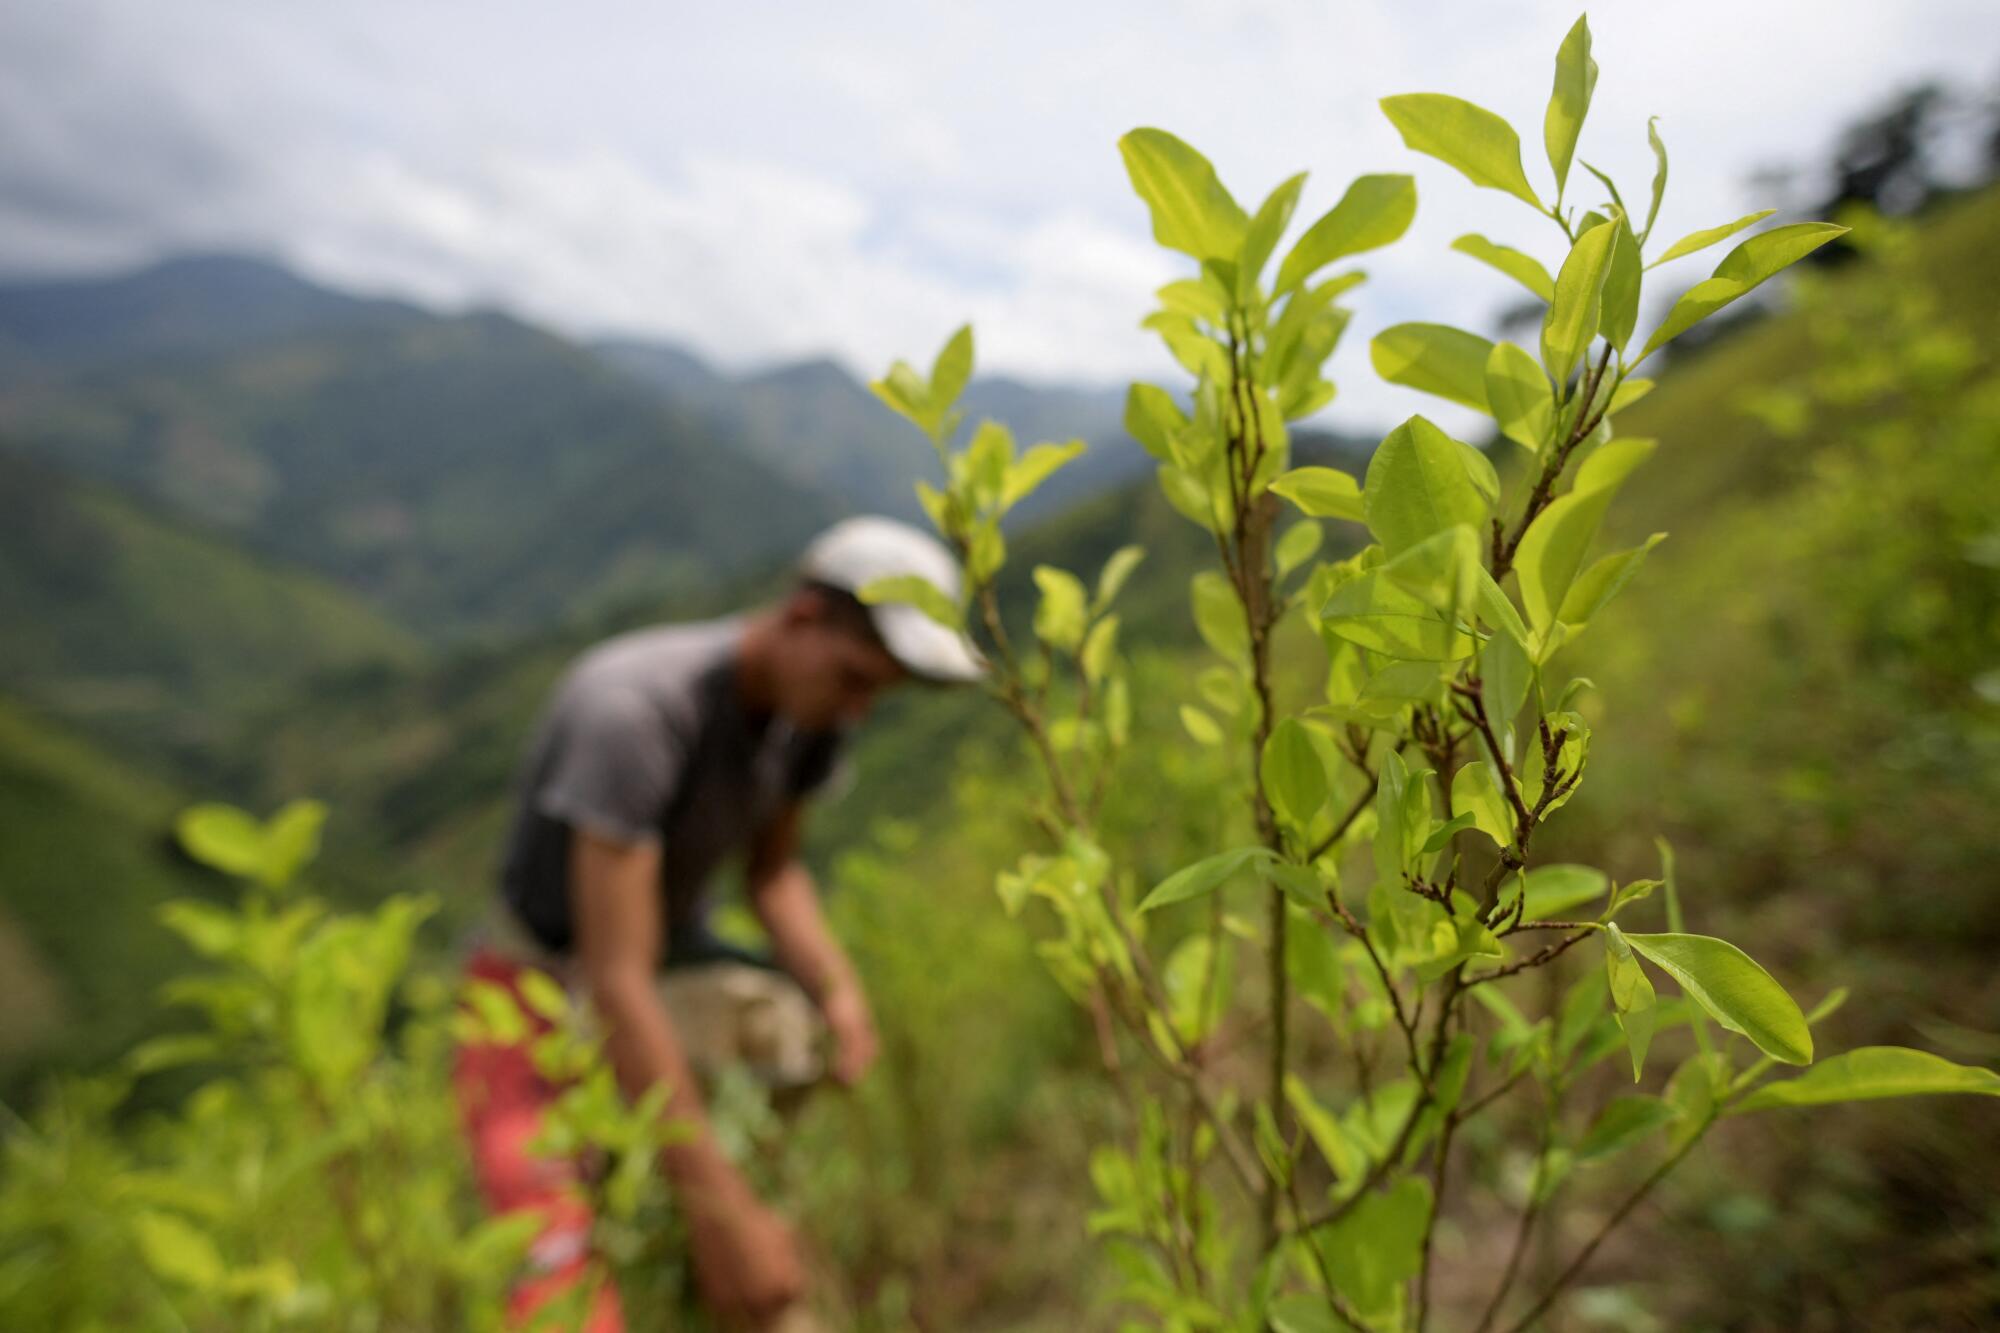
column 1887, row 159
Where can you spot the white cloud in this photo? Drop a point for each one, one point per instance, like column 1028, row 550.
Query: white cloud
column 786, row 179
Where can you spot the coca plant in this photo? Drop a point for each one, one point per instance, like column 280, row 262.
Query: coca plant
column 1394, row 817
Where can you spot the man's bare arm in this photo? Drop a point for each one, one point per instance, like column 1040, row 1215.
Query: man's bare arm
column 746, row 1259
column 786, row 900
column 620, row 938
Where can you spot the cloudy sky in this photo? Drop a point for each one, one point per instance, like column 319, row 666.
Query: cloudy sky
column 770, row 180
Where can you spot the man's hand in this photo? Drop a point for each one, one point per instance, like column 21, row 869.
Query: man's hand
column 785, row 900
column 855, row 1044
column 746, row 1259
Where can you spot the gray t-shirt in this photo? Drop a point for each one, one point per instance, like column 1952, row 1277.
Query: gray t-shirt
column 647, row 740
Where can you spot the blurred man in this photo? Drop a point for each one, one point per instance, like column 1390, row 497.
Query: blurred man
column 664, row 753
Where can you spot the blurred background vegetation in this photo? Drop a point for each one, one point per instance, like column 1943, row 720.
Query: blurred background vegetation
column 262, row 540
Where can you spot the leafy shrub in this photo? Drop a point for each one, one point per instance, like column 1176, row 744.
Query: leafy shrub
column 314, row 1177
column 1392, row 823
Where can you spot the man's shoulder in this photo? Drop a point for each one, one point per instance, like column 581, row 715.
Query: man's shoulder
column 659, row 669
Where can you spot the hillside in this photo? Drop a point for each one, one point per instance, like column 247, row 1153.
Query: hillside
column 1799, row 691
column 820, row 426
column 464, row 474
column 153, row 633
column 195, row 305
column 85, row 860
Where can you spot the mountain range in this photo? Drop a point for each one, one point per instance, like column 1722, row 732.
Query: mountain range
column 215, row 440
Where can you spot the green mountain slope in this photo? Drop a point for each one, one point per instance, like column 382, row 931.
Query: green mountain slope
column 191, row 306
column 153, row 632
column 821, row 427
column 84, row 861
column 468, row 473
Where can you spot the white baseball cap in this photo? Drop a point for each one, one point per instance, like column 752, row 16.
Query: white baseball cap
column 855, row 552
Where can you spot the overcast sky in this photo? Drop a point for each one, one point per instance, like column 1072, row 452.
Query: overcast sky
column 764, row 181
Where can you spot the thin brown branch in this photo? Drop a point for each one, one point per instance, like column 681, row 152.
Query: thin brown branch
column 1538, row 499
column 1522, row 1230
column 1473, row 710
column 1376, row 1174
column 1347, row 818
column 1334, row 1303
column 1486, row 1099
column 1534, row 960
column 1576, row 1265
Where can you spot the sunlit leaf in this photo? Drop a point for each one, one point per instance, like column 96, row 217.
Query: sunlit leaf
column 1112, row 578
column 1323, row 492
column 1553, row 548
column 1741, row 996
column 1218, row 616
column 1204, row 876
column 1707, row 236
column 1062, row 613
column 1576, row 79
column 1482, row 146
column 1261, row 237
column 1294, row 779
column 1435, row 358
column 1299, row 544
column 1519, row 396
column 1574, row 314
column 1741, row 271
column 1659, row 175
column 1522, row 267
column 1619, row 305
column 1872, row 1072
column 1374, row 211
column 919, row 592
column 1417, row 485
column 1034, row 468
column 952, row 369
column 1601, row 582
column 221, row 836
column 1192, row 212
column 1475, row 789
column 1153, row 419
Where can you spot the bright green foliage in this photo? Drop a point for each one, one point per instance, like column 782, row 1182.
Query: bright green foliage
column 1521, row 267
column 1203, row 877
column 1063, row 615
column 1869, row 1073
column 231, row 841
column 1741, row 996
column 1375, row 211
column 1322, row 492
column 1741, row 271
column 1556, row 890
column 918, row 592
column 1574, row 314
column 1659, row 175
column 312, row 1177
column 1576, row 79
column 1293, row 774
column 1553, row 548
column 1476, row 791
column 1435, row 358
column 1478, row 143
column 1518, row 395
column 1707, row 236
column 1390, row 828
column 1191, row 210
column 1419, row 485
